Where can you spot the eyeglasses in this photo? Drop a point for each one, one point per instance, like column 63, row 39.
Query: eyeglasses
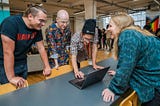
column 64, row 22
column 42, row 21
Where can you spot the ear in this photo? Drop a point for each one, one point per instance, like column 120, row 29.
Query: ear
column 30, row 16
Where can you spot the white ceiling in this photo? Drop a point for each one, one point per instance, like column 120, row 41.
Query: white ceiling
column 104, row 7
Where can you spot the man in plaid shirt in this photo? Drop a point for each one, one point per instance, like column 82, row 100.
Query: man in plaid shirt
column 79, row 41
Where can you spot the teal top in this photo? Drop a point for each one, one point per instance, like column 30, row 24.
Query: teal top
column 138, row 65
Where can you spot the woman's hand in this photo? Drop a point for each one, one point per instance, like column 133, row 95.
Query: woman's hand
column 108, row 95
column 111, row 72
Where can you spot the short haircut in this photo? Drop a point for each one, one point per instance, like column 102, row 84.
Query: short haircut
column 34, row 9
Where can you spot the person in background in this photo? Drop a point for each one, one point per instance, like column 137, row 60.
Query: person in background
column 99, row 38
column 58, row 39
column 17, row 34
column 33, row 49
column 138, row 55
column 108, row 37
column 104, row 38
column 112, row 42
column 78, row 50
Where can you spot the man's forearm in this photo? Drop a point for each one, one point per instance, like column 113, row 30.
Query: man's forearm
column 74, row 63
column 94, row 53
column 8, row 52
column 43, row 53
column 44, row 57
column 9, row 65
column 55, row 57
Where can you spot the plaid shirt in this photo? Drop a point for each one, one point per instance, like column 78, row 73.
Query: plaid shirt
column 77, row 42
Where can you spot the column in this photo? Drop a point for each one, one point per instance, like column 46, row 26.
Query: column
column 90, row 9
column 90, row 12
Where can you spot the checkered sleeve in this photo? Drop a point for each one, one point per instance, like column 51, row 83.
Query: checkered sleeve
column 95, row 39
column 75, row 39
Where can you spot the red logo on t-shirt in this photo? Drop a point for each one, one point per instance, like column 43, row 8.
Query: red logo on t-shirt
column 26, row 36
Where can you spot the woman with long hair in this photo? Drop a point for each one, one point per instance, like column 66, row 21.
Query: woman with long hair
column 138, row 55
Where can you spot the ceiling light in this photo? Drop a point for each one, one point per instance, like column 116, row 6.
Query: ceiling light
column 80, row 12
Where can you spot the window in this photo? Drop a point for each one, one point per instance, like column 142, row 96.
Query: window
column 139, row 19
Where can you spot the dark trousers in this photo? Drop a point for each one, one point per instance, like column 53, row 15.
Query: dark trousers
column 155, row 101
column 112, row 42
column 109, row 43
column 100, row 43
column 20, row 70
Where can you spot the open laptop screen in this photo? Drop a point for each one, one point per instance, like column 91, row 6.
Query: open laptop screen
column 91, row 78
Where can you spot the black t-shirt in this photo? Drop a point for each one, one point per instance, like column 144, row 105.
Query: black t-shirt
column 15, row 28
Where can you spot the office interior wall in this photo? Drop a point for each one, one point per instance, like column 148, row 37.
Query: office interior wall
column 78, row 23
column 4, row 10
column 49, row 22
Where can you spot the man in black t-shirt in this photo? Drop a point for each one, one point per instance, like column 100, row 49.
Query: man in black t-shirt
column 17, row 34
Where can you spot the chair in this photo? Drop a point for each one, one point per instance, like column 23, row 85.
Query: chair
column 8, row 87
column 131, row 100
column 61, row 70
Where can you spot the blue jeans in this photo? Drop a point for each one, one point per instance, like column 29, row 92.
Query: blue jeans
column 20, row 70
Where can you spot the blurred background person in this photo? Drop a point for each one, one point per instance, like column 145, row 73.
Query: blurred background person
column 99, row 38
column 108, row 39
column 104, row 38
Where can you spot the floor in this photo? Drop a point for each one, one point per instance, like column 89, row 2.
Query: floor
column 35, row 77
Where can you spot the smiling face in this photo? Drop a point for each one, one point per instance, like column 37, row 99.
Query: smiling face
column 119, row 22
column 62, row 23
column 114, row 29
column 62, row 19
column 36, row 22
column 87, row 38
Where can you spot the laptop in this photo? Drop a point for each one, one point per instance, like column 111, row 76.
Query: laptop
column 90, row 78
